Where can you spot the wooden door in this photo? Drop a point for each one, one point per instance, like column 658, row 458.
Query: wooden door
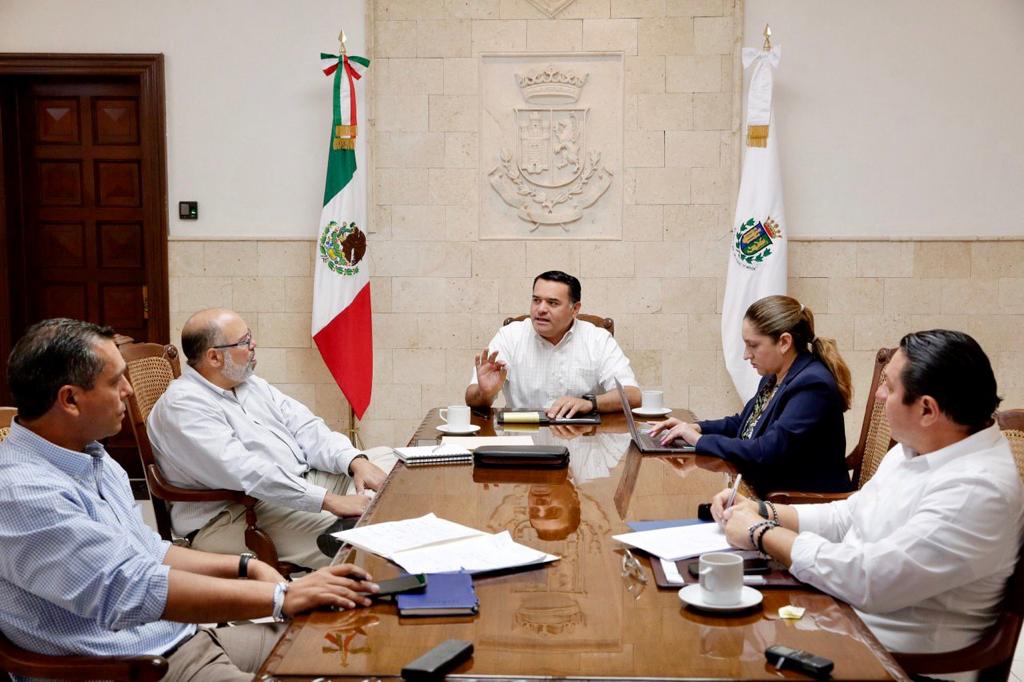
column 83, row 199
column 84, row 221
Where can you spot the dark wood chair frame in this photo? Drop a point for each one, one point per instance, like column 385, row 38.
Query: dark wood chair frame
column 162, row 491
column 18, row 661
column 596, row 320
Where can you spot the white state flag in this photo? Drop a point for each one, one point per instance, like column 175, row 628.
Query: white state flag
column 757, row 249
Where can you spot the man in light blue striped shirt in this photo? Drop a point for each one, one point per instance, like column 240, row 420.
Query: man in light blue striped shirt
column 80, row 573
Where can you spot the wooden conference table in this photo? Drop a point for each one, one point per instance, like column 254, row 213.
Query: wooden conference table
column 577, row 617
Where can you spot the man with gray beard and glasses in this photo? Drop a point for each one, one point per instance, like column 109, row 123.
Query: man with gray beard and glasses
column 220, row 426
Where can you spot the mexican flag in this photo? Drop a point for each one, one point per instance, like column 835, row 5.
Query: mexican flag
column 341, row 280
column 757, row 249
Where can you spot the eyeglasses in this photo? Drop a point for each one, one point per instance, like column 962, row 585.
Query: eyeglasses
column 244, row 341
column 631, row 567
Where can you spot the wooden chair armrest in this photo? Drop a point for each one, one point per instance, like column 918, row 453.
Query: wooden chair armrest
column 26, row 663
column 797, row 497
column 998, row 643
column 172, row 493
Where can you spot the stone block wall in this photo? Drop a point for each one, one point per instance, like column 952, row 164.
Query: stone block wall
column 439, row 292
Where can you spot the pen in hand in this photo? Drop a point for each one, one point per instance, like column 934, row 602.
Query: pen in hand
column 732, row 493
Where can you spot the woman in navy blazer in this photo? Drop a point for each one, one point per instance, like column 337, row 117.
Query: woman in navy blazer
column 790, row 435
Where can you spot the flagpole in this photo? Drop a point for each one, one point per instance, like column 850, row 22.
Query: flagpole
column 767, row 38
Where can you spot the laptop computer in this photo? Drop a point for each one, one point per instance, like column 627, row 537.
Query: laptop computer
column 644, row 442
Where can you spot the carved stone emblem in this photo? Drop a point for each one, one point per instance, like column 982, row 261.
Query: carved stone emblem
column 551, row 7
column 553, row 174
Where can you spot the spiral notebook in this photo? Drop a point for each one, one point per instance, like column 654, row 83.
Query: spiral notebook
column 445, row 453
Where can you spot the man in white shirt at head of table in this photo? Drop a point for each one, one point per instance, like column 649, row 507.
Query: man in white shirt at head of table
column 220, row 426
column 553, row 360
column 924, row 549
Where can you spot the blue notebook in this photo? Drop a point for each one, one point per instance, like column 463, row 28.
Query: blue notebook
column 447, row 594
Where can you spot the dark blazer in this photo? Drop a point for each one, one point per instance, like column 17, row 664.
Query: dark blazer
column 800, row 441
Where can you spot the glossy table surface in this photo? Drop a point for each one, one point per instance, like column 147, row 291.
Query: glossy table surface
column 579, row 616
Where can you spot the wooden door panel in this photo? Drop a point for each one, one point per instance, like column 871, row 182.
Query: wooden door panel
column 115, row 121
column 63, row 300
column 63, row 244
column 57, row 120
column 60, row 182
column 120, row 245
column 118, row 183
column 121, row 307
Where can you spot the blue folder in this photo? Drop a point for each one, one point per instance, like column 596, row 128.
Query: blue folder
column 447, row 594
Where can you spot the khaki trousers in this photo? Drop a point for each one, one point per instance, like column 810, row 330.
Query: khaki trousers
column 294, row 532
column 229, row 654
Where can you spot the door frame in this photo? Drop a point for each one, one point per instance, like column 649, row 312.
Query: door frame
column 148, row 69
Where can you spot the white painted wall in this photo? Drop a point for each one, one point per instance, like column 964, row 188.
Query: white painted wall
column 899, row 117
column 248, row 109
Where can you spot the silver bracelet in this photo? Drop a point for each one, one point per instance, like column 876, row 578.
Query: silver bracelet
column 279, row 590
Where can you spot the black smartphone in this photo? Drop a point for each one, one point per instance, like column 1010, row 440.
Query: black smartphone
column 704, row 511
column 403, row 583
column 753, row 566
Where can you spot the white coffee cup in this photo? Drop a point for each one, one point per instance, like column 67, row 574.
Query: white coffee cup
column 456, row 416
column 721, row 578
column 653, row 400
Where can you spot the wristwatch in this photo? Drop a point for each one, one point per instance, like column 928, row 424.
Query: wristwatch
column 593, row 400
column 243, row 564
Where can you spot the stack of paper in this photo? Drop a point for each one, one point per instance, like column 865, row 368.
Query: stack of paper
column 678, row 542
column 431, row 545
column 431, row 454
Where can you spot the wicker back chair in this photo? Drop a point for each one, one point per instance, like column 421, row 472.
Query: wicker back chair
column 151, row 368
column 992, row 655
column 7, row 415
column 1011, row 423
column 596, row 320
column 875, row 440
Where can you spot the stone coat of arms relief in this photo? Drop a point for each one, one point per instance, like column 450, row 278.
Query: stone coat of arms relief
column 551, row 148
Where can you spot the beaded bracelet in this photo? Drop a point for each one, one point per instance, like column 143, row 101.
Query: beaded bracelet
column 752, row 531
column 765, row 527
column 775, row 512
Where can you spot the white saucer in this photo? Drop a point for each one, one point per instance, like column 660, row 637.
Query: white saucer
column 661, row 412
column 691, row 595
column 446, row 428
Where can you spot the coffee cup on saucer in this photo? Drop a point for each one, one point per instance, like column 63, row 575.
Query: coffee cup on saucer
column 653, row 401
column 456, row 417
column 721, row 578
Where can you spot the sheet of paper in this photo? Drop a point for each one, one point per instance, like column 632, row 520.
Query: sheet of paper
column 386, row 539
column 471, row 442
column 672, row 574
column 681, row 542
column 422, row 451
column 474, row 555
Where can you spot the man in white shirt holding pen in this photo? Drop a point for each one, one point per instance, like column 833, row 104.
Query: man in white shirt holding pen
column 553, row 361
column 924, row 549
column 220, row 426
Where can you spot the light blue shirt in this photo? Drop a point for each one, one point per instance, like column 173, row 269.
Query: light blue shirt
column 80, row 573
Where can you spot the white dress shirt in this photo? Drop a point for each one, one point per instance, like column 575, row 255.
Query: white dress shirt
column 586, row 360
column 923, row 550
column 254, row 438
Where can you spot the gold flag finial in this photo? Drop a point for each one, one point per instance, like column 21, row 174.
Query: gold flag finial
column 341, row 41
column 767, row 38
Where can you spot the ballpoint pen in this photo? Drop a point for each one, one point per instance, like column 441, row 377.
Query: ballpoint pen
column 732, row 493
